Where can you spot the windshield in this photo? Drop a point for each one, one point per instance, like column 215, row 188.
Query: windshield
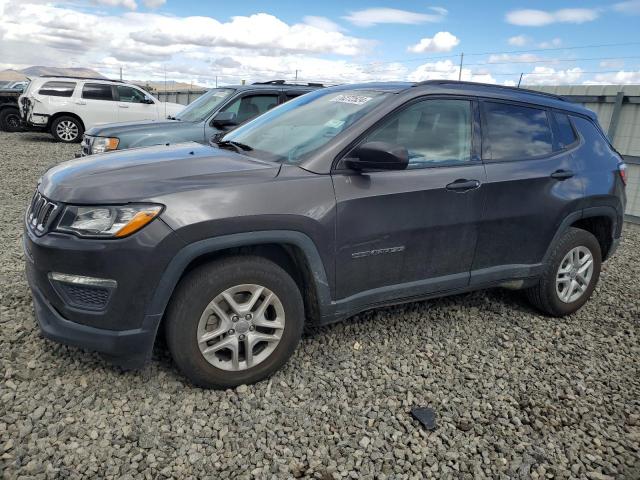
column 200, row 109
column 292, row 132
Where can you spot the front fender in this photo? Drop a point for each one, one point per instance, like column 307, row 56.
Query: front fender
column 187, row 254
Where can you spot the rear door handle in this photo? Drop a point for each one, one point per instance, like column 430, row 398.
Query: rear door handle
column 463, row 185
column 562, row 174
column 123, row 106
column 80, row 102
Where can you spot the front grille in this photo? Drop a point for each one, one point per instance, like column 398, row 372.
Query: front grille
column 92, row 298
column 41, row 214
column 85, row 146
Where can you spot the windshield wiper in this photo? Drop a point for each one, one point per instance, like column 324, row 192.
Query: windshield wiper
column 237, row 145
column 171, row 117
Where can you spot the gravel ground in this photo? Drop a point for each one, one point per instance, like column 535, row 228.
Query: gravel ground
column 517, row 395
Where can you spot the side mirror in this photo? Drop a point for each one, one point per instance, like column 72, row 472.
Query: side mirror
column 378, row 156
column 224, row 119
column 148, row 100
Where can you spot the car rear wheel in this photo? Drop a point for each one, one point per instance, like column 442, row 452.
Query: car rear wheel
column 67, row 129
column 570, row 274
column 234, row 321
column 10, row 120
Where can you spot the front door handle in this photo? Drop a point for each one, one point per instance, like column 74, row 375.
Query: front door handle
column 463, row 185
column 123, row 106
column 80, row 102
column 562, row 174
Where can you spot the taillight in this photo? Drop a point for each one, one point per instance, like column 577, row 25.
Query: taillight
column 622, row 170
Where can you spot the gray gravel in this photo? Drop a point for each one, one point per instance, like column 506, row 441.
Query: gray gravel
column 517, row 395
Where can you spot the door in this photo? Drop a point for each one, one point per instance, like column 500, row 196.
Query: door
column 96, row 105
column 416, row 227
column 532, row 185
column 133, row 105
column 246, row 107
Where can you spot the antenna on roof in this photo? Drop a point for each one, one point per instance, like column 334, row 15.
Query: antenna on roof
column 519, row 81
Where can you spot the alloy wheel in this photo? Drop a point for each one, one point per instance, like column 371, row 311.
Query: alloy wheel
column 241, row 327
column 67, row 130
column 574, row 274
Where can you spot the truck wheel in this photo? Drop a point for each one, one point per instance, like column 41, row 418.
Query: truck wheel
column 570, row 275
column 10, row 120
column 67, row 129
column 234, row 321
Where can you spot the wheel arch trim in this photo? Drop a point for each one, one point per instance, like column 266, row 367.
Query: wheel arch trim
column 191, row 252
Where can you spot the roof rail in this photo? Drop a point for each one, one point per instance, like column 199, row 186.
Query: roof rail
column 82, row 78
column 293, row 84
column 492, row 85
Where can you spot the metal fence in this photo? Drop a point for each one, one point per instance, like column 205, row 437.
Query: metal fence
column 184, row 97
column 617, row 107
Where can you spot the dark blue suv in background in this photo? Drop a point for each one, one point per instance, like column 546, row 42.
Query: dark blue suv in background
column 211, row 114
column 338, row 201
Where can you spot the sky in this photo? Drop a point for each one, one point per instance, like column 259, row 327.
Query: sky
column 331, row 41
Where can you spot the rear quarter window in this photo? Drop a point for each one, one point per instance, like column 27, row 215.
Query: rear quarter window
column 57, row 89
column 566, row 135
column 515, row 132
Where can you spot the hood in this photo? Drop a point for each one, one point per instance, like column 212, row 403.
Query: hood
column 172, row 108
column 141, row 127
column 141, row 174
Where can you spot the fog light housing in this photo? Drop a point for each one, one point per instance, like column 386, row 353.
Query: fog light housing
column 86, row 293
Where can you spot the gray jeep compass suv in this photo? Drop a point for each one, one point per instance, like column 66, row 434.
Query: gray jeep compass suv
column 341, row 200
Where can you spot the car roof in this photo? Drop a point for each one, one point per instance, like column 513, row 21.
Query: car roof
column 502, row 92
column 272, row 85
column 454, row 87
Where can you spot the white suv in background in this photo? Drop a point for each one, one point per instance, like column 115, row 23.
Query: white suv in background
column 67, row 106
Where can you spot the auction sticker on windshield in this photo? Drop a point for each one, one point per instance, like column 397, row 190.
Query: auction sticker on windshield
column 352, row 99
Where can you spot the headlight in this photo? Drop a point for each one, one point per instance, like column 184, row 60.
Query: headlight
column 107, row 221
column 104, row 144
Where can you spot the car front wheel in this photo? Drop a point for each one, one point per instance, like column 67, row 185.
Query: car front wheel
column 234, row 321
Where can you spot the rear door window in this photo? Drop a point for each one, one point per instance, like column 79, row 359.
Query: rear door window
column 565, row 136
column 251, row 106
column 515, row 132
column 130, row 94
column 97, row 91
column 57, row 89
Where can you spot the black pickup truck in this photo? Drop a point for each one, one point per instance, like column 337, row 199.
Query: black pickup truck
column 9, row 112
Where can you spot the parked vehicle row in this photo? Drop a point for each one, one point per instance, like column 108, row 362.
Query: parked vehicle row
column 340, row 200
column 68, row 106
column 210, row 115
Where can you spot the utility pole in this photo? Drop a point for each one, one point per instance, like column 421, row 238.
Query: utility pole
column 120, row 73
column 296, row 75
column 519, row 81
column 460, row 71
column 216, row 81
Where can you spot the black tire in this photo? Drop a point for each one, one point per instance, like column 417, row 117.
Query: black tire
column 77, row 129
column 199, row 287
column 10, row 120
column 544, row 295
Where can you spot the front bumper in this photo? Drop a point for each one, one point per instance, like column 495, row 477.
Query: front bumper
column 126, row 348
column 124, row 327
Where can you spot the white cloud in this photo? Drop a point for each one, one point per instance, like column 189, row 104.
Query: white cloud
column 441, row 42
column 154, row 3
column 612, row 63
column 539, row 18
column 322, row 23
column 554, row 42
column 129, row 4
column 618, row 78
column 447, row 70
column 550, row 76
column 631, row 7
column 374, row 16
column 510, row 58
column 518, row 40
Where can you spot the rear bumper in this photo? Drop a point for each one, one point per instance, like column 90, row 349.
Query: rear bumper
column 128, row 348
